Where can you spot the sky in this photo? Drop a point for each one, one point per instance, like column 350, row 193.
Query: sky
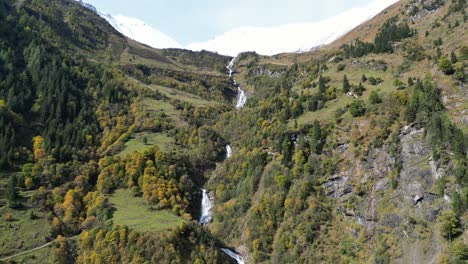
column 189, row 21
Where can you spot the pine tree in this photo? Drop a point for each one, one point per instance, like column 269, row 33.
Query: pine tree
column 346, row 85
column 364, row 78
column 322, row 86
column 11, row 192
column 453, row 58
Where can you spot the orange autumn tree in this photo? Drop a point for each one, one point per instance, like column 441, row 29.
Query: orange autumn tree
column 38, row 148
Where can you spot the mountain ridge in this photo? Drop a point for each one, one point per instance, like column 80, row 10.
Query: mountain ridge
column 297, row 37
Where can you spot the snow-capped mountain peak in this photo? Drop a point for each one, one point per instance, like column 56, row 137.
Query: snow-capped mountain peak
column 297, row 37
column 137, row 29
column 291, row 37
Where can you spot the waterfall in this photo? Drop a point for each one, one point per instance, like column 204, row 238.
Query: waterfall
column 241, row 97
column 230, row 65
column 238, row 258
column 228, row 151
column 205, row 217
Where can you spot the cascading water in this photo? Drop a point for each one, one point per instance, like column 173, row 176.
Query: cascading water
column 241, row 97
column 238, row 258
column 228, row 151
column 207, row 204
column 230, row 65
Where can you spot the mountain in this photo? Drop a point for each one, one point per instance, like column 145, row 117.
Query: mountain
column 299, row 37
column 117, row 152
column 136, row 29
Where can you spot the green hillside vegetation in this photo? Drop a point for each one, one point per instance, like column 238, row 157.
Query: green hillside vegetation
column 135, row 213
column 143, row 141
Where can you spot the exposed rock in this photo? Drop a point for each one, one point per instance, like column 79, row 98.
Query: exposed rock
column 338, row 186
column 392, row 220
column 421, row 8
column 382, row 185
column 273, row 71
column 374, row 65
column 361, row 221
column 342, row 147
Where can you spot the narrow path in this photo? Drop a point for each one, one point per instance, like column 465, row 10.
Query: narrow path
column 33, row 249
column 28, row 251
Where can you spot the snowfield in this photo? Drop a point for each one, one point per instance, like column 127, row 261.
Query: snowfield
column 297, row 37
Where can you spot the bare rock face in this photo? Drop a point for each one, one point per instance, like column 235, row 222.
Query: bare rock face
column 338, row 186
column 421, row 8
column 374, row 65
column 394, row 194
column 272, row 71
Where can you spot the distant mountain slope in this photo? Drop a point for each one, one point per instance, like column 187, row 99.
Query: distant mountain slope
column 297, row 37
column 138, row 30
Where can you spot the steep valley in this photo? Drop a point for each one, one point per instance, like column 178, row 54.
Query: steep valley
column 115, row 152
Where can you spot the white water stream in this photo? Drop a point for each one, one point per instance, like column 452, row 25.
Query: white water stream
column 207, row 202
column 238, row 258
column 228, row 151
column 241, row 97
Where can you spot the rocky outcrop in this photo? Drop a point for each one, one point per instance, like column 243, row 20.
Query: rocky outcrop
column 375, row 65
column 272, row 71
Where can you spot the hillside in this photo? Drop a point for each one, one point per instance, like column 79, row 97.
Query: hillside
column 353, row 153
column 356, row 152
column 77, row 99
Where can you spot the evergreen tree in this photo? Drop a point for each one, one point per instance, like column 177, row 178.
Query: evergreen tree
column 363, row 78
column 12, row 195
column 346, row 85
column 322, row 86
column 453, row 58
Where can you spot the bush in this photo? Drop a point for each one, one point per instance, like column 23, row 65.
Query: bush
column 374, row 98
column 340, row 67
column 357, row 108
column 446, row 66
column 460, row 250
column 399, row 84
column 8, row 217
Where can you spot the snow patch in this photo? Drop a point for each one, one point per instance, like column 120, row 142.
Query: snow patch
column 297, row 37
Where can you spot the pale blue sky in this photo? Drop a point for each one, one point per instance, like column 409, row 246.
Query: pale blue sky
column 197, row 20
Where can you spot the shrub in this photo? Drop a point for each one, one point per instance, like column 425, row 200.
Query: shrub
column 460, row 250
column 8, row 217
column 340, row 67
column 374, row 98
column 357, row 108
column 446, row 66
column 399, row 84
